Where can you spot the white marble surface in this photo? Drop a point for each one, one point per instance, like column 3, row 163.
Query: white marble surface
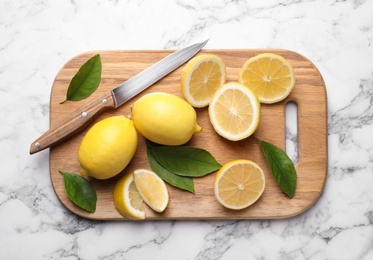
column 38, row 37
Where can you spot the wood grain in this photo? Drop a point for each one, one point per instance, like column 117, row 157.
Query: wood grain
column 309, row 94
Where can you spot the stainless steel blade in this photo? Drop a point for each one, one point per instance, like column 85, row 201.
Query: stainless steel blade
column 149, row 76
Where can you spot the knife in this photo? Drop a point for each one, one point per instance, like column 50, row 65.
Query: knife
column 114, row 98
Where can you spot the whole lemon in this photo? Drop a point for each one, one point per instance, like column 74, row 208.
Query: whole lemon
column 165, row 118
column 107, row 147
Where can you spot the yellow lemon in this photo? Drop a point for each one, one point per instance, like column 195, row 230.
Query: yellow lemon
column 238, row 184
column 127, row 198
column 201, row 77
column 270, row 76
column 234, row 111
column 107, row 147
column 165, row 118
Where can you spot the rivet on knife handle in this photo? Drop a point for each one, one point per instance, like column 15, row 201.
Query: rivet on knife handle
column 73, row 123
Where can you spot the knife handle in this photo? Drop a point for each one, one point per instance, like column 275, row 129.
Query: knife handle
column 73, row 123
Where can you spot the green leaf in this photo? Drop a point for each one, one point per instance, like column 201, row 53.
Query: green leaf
column 184, row 183
column 80, row 191
column 86, row 80
column 282, row 167
column 185, row 160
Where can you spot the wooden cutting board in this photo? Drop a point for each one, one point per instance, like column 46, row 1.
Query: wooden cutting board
column 309, row 94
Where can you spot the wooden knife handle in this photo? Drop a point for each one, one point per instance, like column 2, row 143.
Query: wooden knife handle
column 73, row 123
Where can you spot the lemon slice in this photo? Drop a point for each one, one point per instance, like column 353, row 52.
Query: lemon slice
column 152, row 189
column 201, row 77
column 270, row 76
column 239, row 184
column 127, row 199
column 234, row 111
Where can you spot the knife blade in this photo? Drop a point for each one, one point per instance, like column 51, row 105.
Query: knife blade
column 114, row 98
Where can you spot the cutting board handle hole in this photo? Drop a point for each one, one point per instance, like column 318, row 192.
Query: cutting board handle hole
column 291, row 122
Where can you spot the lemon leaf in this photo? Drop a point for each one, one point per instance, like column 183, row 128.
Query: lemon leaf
column 181, row 182
column 185, row 160
column 80, row 191
column 282, row 167
column 86, row 80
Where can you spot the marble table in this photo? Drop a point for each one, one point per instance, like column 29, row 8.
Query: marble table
column 38, row 37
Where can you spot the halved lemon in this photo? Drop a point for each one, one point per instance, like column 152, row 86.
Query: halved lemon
column 234, row 111
column 127, row 199
column 269, row 75
column 201, row 77
column 152, row 189
column 239, row 184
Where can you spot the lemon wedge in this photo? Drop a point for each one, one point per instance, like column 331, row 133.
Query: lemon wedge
column 269, row 75
column 152, row 189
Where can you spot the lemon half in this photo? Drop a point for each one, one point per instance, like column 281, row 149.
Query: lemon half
column 234, row 111
column 269, row 75
column 239, row 184
column 201, row 77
